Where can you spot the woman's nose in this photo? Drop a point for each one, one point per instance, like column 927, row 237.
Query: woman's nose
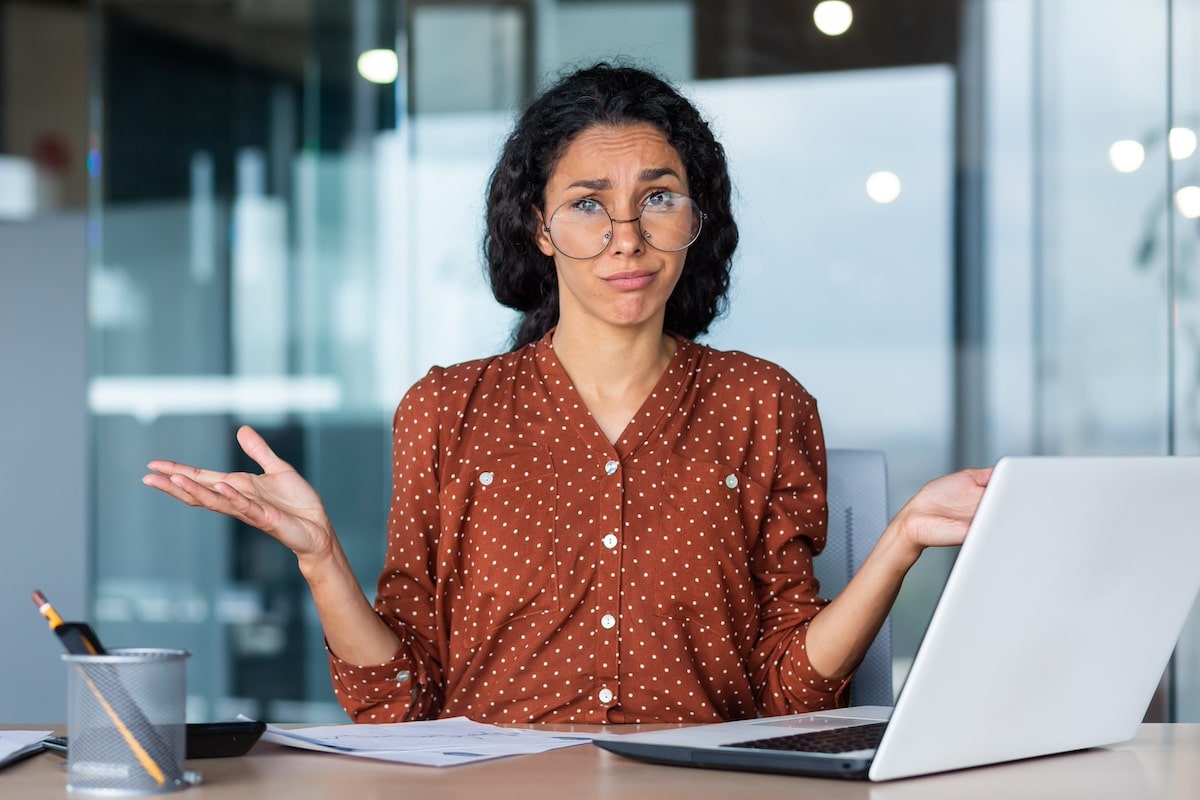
column 627, row 236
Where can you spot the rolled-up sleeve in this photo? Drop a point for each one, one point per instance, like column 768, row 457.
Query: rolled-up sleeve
column 410, row 685
column 792, row 533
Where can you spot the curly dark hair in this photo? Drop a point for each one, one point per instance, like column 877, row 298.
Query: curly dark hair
column 521, row 276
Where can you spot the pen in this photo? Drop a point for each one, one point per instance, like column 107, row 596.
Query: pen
column 57, row 744
column 79, row 639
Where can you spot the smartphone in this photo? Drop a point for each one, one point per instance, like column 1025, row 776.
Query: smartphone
column 204, row 739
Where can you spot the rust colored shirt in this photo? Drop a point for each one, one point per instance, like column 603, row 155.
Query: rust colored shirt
column 536, row 572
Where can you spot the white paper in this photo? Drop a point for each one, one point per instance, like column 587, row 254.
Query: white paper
column 14, row 744
column 433, row 743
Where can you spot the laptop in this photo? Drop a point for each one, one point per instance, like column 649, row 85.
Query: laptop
column 1051, row 634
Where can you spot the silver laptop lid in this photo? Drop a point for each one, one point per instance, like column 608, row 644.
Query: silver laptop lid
column 1058, row 618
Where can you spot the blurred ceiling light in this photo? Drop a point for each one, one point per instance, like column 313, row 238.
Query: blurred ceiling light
column 18, row 188
column 833, row 17
column 1181, row 142
column 1126, row 155
column 379, row 66
column 1187, row 200
column 883, row 187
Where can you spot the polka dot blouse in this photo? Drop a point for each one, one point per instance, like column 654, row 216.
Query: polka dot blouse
column 536, row 572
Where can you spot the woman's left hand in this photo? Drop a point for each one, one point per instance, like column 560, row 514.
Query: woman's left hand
column 939, row 514
column 936, row 516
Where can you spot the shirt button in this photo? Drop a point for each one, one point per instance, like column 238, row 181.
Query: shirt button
column 610, row 541
column 608, row 622
column 486, row 478
column 402, row 676
column 611, row 467
column 731, row 481
column 605, row 696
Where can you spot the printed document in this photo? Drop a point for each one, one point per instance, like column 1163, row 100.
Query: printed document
column 433, row 743
column 15, row 745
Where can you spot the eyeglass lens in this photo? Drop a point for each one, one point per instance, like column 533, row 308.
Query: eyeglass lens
column 583, row 228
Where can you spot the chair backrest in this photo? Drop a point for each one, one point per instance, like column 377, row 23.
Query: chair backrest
column 858, row 513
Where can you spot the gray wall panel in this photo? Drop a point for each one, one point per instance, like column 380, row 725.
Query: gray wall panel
column 43, row 455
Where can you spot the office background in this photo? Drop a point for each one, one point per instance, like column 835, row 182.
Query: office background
column 969, row 228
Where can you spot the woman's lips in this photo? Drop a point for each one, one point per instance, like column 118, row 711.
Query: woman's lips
column 630, row 280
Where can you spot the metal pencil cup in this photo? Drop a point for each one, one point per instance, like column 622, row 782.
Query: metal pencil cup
column 126, row 722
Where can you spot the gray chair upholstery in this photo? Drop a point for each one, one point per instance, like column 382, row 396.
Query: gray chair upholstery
column 858, row 513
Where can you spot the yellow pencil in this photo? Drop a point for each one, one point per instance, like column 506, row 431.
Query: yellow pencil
column 140, row 752
column 80, row 639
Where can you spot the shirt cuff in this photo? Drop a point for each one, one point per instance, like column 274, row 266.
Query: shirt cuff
column 812, row 689
column 385, row 682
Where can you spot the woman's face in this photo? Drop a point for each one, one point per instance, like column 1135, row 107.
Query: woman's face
column 622, row 169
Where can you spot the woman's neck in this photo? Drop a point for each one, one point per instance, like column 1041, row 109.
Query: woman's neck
column 614, row 371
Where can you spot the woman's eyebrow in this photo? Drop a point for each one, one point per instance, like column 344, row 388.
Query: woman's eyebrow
column 595, row 184
column 645, row 176
column 656, row 173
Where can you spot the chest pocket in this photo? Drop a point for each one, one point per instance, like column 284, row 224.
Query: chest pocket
column 497, row 562
column 708, row 523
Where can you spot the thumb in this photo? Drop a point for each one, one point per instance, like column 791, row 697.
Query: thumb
column 257, row 448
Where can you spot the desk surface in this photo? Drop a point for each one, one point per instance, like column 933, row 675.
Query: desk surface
column 1163, row 762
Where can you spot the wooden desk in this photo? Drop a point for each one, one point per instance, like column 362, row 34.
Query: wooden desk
column 1162, row 763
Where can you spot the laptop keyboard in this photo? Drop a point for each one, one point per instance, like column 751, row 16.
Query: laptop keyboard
column 836, row 740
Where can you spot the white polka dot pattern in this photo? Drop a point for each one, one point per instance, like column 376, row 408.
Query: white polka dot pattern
column 538, row 573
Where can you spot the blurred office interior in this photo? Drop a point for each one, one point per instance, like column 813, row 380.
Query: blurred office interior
column 969, row 227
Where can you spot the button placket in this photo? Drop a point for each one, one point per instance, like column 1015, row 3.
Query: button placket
column 607, row 591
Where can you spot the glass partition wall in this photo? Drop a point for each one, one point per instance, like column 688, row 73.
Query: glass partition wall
column 1177, row 230
column 286, row 224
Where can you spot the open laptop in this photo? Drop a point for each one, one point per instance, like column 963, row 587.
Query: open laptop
column 1051, row 634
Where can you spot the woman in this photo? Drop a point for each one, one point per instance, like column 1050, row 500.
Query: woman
column 609, row 523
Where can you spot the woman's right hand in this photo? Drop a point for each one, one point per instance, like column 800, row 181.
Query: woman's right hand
column 279, row 501
column 283, row 504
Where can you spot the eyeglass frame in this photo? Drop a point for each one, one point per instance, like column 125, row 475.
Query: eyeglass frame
column 612, row 229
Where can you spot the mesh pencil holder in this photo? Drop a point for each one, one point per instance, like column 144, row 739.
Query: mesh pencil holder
column 126, row 722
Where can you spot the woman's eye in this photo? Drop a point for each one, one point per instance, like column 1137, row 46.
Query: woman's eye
column 587, row 206
column 661, row 199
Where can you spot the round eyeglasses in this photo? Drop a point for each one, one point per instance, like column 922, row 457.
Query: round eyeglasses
column 583, row 228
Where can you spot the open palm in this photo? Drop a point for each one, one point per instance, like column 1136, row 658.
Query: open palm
column 279, row 501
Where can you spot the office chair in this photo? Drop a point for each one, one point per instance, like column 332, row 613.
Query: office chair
column 858, row 513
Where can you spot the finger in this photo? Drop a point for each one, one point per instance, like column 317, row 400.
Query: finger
column 204, row 495
column 224, row 499
column 249, row 511
column 163, row 484
column 980, row 476
column 968, row 500
column 190, row 493
column 257, row 448
column 206, row 477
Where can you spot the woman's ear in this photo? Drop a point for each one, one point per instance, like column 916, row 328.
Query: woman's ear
column 543, row 238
